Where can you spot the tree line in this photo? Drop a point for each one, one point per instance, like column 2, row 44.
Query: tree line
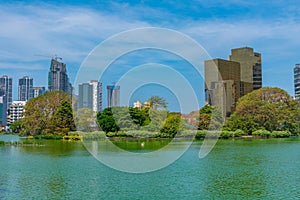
column 260, row 112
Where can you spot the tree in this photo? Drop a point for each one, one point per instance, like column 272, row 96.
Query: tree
column 172, row 125
column 267, row 108
column 85, row 119
column 16, row 126
column 210, row 118
column 63, row 120
column 48, row 114
column 140, row 116
column 157, row 102
column 106, row 121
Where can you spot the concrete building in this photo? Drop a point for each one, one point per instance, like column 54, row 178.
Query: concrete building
column 113, row 95
column 15, row 111
column 222, row 84
column 90, row 96
column 85, row 96
column 5, row 97
column 251, row 69
column 297, row 81
column 25, row 89
column 37, row 91
column 138, row 104
column 58, row 78
column 97, row 95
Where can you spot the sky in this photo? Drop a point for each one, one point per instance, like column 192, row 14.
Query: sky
column 72, row 29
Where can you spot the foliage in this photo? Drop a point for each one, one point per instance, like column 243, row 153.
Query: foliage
column 140, row 116
column 85, row 120
column 262, row 132
column 48, row 137
column 172, row 125
column 157, row 102
column 201, row 134
column 50, row 113
column 267, row 108
column 210, row 118
column 281, row 134
column 1, row 142
column 106, row 121
column 17, row 126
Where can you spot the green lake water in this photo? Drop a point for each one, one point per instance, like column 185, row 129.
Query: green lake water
column 235, row 169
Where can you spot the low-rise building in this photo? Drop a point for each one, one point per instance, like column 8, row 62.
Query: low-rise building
column 15, row 111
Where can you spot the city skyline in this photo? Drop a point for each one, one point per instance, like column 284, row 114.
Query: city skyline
column 71, row 29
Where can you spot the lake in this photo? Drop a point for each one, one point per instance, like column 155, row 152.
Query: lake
column 235, row 169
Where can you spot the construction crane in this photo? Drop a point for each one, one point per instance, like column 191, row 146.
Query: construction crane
column 55, row 57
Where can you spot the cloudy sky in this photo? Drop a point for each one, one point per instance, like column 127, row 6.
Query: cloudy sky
column 71, row 29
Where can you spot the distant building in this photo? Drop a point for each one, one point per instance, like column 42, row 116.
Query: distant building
column 297, row 81
column 37, row 91
column 85, row 96
column 25, row 90
column 15, row 111
column 222, row 84
column 147, row 104
column 58, row 78
column 97, row 95
column 137, row 104
column 113, row 95
column 90, row 96
column 5, row 97
column 251, row 69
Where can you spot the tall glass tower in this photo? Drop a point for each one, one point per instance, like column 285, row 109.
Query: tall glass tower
column 25, row 90
column 113, row 95
column 5, row 97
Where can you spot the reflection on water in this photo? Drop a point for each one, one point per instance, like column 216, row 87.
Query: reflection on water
column 235, row 169
column 9, row 138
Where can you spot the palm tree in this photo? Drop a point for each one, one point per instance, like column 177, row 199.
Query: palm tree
column 157, row 102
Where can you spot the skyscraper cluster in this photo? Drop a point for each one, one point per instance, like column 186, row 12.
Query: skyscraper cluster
column 228, row 80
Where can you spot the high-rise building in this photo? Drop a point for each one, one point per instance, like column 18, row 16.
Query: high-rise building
column 25, row 91
column 251, row 69
column 5, row 97
column 297, row 81
column 58, row 78
column 113, row 95
column 38, row 91
column 90, row 95
column 97, row 95
column 85, row 96
column 15, row 111
column 222, row 84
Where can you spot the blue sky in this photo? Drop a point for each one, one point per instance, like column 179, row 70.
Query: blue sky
column 71, row 29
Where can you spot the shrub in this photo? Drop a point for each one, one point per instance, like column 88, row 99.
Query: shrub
column 239, row 133
column 281, row 134
column 201, row 134
column 262, row 132
column 1, row 142
column 227, row 134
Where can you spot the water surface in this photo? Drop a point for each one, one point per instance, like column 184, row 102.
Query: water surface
column 235, row 169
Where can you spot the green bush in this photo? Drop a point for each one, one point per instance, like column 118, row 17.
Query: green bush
column 141, row 133
column 187, row 133
column 261, row 132
column 227, row 134
column 1, row 142
column 239, row 133
column 281, row 134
